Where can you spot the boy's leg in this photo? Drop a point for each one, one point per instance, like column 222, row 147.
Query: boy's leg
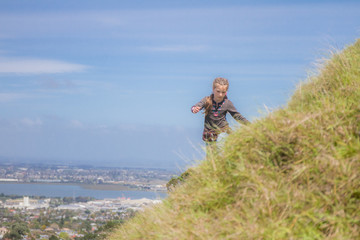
column 210, row 138
column 210, row 147
column 211, row 151
column 221, row 140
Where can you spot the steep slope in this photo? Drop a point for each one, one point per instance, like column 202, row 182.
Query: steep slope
column 291, row 175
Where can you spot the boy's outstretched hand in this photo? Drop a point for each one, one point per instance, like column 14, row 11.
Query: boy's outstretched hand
column 195, row 109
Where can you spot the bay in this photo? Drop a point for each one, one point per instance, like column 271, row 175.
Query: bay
column 66, row 190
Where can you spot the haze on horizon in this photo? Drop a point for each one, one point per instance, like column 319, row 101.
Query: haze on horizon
column 111, row 83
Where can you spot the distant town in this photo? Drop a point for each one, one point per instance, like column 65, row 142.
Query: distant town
column 64, row 218
column 40, row 217
column 105, row 178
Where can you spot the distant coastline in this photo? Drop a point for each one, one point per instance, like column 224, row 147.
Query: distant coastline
column 98, row 191
column 103, row 186
column 111, row 179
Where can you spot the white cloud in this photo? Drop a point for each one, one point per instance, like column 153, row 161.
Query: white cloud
column 176, row 23
column 7, row 97
column 37, row 66
column 77, row 124
column 31, row 122
column 175, row 48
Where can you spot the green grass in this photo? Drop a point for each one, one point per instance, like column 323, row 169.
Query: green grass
column 293, row 174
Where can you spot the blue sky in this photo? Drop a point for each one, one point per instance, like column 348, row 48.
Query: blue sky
column 112, row 82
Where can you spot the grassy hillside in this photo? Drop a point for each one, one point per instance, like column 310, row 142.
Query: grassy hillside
column 294, row 174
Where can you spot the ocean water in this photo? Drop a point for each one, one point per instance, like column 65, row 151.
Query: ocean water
column 55, row 190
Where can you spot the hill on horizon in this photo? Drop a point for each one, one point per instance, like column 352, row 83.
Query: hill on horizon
column 293, row 174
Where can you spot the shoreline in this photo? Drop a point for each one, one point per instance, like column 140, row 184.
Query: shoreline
column 105, row 187
column 100, row 187
column 99, row 191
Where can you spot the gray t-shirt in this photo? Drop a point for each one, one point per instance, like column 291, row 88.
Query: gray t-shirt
column 216, row 119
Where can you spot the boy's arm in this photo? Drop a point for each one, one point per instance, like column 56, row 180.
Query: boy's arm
column 197, row 107
column 235, row 114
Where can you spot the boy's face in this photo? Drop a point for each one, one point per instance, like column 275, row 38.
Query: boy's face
column 219, row 92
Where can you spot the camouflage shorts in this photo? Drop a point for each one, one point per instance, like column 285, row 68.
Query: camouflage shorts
column 210, row 136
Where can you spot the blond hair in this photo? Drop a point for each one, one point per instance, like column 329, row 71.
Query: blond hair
column 219, row 81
